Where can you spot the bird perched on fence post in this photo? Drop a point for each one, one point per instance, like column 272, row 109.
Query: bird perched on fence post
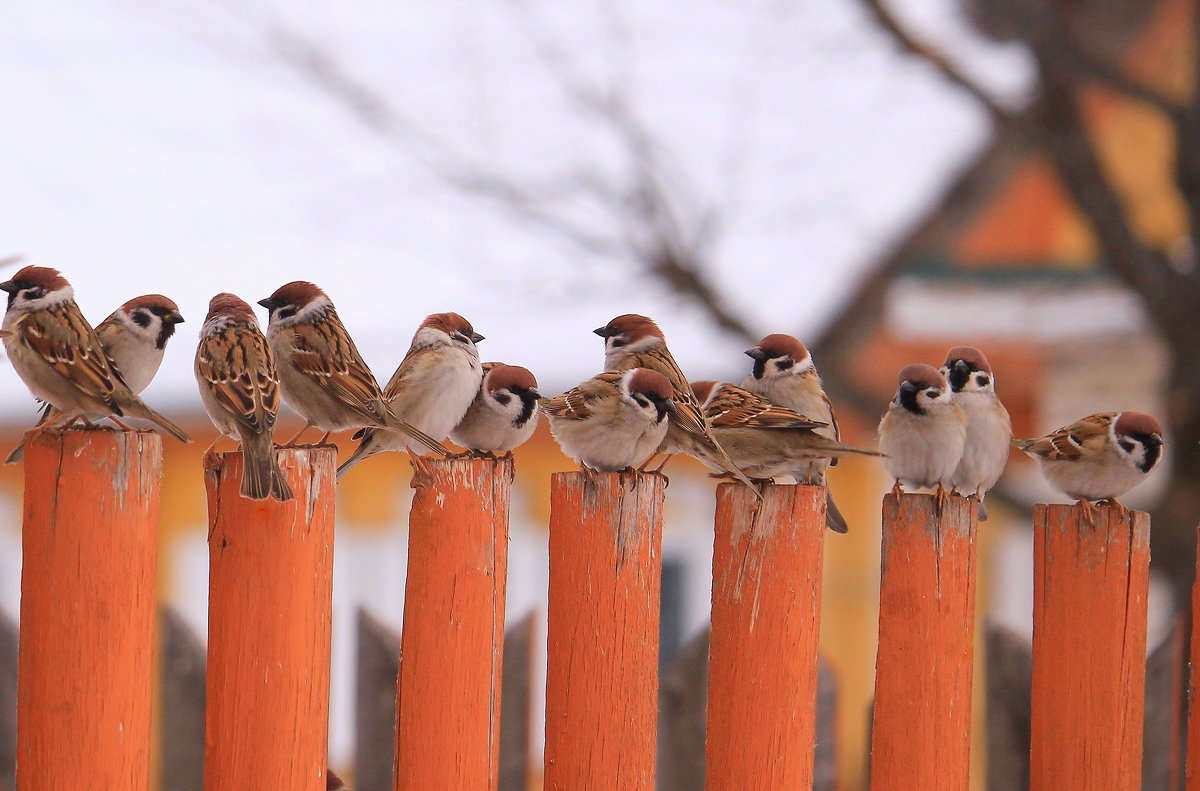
column 134, row 337
column 240, row 391
column 784, row 373
column 1099, row 457
column 922, row 433
column 431, row 390
column 61, row 359
column 504, row 413
column 633, row 341
column 321, row 373
column 767, row 440
column 613, row 420
column 989, row 429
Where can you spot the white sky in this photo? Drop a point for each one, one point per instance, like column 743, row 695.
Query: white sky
column 164, row 148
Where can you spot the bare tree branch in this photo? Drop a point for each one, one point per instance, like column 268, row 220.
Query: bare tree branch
column 1113, row 77
column 888, row 22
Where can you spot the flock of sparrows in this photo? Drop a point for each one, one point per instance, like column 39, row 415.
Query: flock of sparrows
column 944, row 429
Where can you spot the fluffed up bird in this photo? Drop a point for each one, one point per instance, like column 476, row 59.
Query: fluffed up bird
column 922, row 433
column 240, row 391
column 1099, row 457
column 504, row 413
column 321, row 373
column 59, row 356
column 989, row 429
column 431, row 390
column 784, row 373
column 633, row 341
column 134, row 337
column 614, row 420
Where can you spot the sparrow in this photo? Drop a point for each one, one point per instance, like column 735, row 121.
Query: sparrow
column 240, row 391
column 134, row 337
column 321, row 373
column 1099, row 457
column 59, row 356
column 504, row 413
column 784, row 374
column 431, row 390
column 614, row 420
column 989, row 429
column 767, row 440
column 633, row 341
column 922, row 433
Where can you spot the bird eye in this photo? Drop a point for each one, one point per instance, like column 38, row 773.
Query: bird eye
column 287, row 312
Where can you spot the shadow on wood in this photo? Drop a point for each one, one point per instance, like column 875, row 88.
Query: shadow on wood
column 515, row 703
column 181, row 721
column 682, row 721
column 8, row 703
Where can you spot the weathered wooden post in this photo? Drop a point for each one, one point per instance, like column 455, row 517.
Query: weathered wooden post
column 452, row 646
column 921, row 738
column 270, row 599
column 602, row 630
column 1089, row 648
column 762, row 667
column 87, row 609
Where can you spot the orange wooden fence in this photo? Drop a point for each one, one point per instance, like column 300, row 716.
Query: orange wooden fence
column 453, row 640
column 87, row 609
column 762, row 677
column 269, row 602
column 921, row 737
column 1089, row 648
column 602, row 632
column 87, row 631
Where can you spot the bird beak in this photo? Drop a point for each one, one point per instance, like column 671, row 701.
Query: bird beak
column 268, row 303
column 756, row 353
column 173, row 318
column 8, row 286
column 962, row 367
column 908, row 387
column 605, row 332
column 476, row 337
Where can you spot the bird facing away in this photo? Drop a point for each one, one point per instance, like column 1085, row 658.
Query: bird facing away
column 59, row 356
column 922, row 432
column 1099, row 457
column 504, row 413
column 989, row 429
column 240, row 391
column 633, row 341
column 613, row 421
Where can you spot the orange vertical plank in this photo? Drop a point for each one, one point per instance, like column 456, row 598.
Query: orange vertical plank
column 452, row 647
column 921, row 737
column 87, row 609
column 762, row 655
column 269, row 602
column 602, row 631
column 1089, row 648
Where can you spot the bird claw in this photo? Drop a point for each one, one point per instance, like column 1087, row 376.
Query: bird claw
column 1090, row 511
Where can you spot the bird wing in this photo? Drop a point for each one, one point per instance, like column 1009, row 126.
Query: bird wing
column 62, row 337
column 327, row 356
column 579, row 403
column 236, row 367
column 1067, row 443
column 736, row 407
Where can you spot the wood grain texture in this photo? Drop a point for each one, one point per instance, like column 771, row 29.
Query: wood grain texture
column 1089, row 648
column 762, row 671
column 921, row 736
column 602, row 640
column 452, row 646
column 270, row 597
column 88, row 609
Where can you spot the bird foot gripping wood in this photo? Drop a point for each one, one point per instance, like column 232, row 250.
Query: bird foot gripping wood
column 939, row 500
column 1090, row 511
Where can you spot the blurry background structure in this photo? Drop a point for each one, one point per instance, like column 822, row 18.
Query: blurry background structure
column 882, row 179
